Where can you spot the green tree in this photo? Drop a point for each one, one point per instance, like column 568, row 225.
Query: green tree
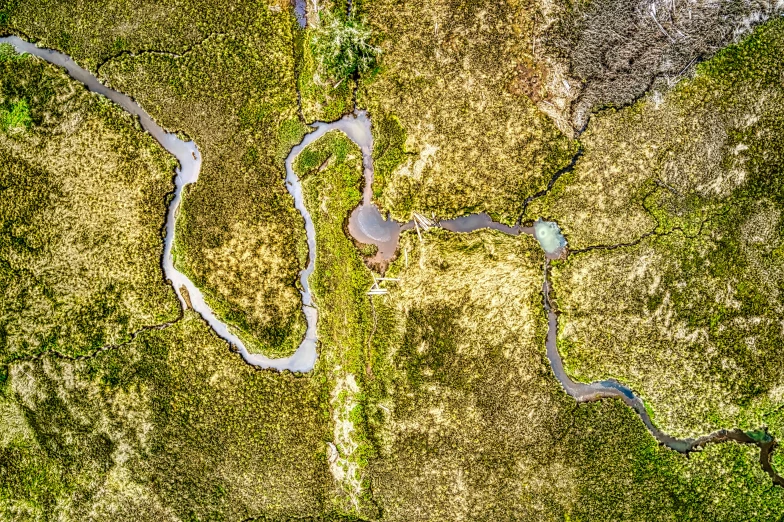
column 342, row 48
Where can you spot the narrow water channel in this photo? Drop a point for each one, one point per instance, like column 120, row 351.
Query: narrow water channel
column 612, row 389
column 367, row 225
column 189, row 159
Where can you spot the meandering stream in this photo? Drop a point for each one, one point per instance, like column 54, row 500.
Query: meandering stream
column 367, row 225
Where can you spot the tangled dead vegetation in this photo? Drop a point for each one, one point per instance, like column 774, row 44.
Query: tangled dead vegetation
column 610, row 52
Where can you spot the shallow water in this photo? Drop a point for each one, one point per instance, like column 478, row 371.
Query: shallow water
column 357, row 128
column 474, row 222
column 548, row 233
column 368, row 226
column 365, row 223
column 300, row 12
column 593, row 391
column 189, row 159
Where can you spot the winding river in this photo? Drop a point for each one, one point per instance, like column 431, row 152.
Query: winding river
column 367, row 225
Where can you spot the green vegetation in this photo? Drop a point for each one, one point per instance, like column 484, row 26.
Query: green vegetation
column 332, row 172
column 325, row 94
column 320, row 99
column 16, row 119
column 474, row 425
column 434, row 402
column 224, row 74
column 128, row 434
column 451, row 75
column 677, row 160
column 389, row 151
column 7, row 52
column 172, row 426
column 93, row 32
column 341, row 47
column 689, row 317
column 83, row 204
column 471, row 423
column 238, row 232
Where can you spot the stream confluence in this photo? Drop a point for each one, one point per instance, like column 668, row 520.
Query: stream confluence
column 367, row 225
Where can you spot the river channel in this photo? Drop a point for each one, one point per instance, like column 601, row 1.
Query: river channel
column 369, row 226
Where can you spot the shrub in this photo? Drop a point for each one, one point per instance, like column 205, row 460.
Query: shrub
column 342, row 48
column 7, row 51
column 17, row 119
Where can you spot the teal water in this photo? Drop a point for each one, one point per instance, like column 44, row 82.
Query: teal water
column 548, row 233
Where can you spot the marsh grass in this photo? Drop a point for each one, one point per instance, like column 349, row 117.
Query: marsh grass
column 83, row 205
column 224, row 74
column 171, row 426
column 7, row 52
column 238, row 235
column 472, row 144
column 609, row 53
column 322, row 98
column 342, row 48
column 93, row 33
column 474, row 425
column 331, row 169
column 438, row 397
column 693, row 318
column 15, row 119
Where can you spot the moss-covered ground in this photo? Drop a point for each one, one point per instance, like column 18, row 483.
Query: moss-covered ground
column 322, row 97
column 93, row 32
column 436, row 402
column 332, row 172
column 675, row 160
column 83, row 205
column 237, row 233
column 689, row 316
column 170, row 427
